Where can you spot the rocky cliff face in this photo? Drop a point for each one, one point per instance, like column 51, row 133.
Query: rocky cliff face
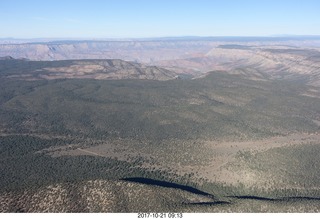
column 141, row 51
column 273, row 62
column 290, row 59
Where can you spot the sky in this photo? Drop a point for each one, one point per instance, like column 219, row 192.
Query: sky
column 157, row 18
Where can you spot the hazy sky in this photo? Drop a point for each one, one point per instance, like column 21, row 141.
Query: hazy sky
column 157, row 18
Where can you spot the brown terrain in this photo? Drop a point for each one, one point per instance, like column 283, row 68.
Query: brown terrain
column 210, row 159
column 293, row 59
column 242, row 126
column 95, row 69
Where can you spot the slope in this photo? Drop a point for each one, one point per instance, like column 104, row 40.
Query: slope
column 94, row 69
column 215, row 134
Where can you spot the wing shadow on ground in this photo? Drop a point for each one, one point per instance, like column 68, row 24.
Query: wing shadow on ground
column 298, row 198
column 190, row 189
column 153, row 182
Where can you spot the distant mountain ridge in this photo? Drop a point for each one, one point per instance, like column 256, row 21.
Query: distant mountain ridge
column 6, row 58
column 294, row 58
column 108, row 69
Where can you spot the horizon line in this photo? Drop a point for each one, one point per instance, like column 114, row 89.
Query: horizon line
column 161, row 37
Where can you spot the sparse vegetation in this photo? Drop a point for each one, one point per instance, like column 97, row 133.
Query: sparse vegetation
column 72, row 134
